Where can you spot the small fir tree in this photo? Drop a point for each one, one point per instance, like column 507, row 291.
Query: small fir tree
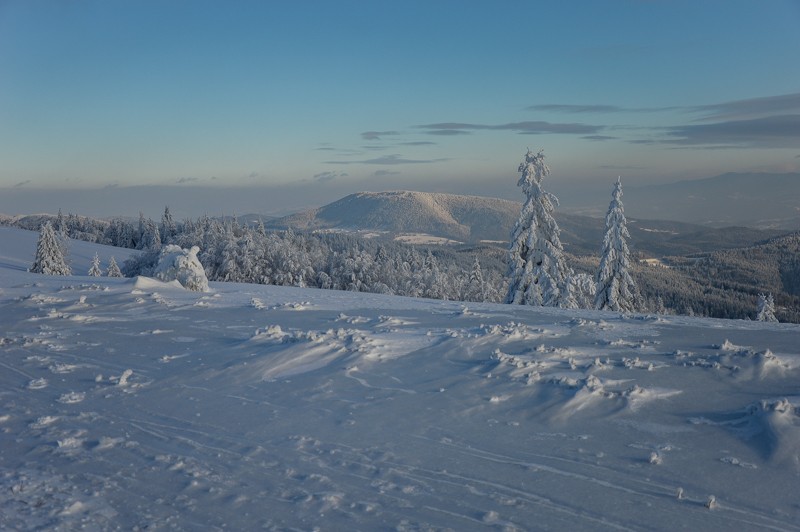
column 49, row 258
column 113, row 268
column 615, row 287
column 766, row 308
column 538, row 273
column 95, row 270
column 475, row 288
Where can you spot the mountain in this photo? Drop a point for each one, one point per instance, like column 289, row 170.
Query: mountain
column 462, row 218
column 760, row 200
column 475, row 219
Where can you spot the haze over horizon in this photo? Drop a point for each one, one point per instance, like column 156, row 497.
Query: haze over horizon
column 317, row 100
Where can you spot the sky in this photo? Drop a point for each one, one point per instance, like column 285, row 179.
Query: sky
column 328, row 98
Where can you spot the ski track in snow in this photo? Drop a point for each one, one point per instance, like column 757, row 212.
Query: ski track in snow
column 132, row 403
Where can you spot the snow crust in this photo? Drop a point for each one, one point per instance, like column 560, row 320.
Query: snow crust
column 137, row 404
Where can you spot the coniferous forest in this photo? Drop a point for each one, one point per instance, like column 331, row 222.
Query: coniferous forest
column 720, row 284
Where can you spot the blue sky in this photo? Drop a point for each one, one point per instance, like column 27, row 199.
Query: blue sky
column 435, row 95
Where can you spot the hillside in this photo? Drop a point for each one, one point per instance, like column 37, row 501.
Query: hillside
column 134, row 404
column 472, row 219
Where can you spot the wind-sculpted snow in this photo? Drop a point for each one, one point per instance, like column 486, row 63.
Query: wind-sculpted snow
column 134, row 403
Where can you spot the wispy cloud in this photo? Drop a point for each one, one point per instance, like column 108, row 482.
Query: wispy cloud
column 377, row 135
column 595, row 108
column 750, row 108
column 385, row 173
column 733, row 110
column 22, row 183
column 599, row 137
column 393, row 159
column 568, row 108
column 183, row 180
column 418, row 143
column 781, row 131
column 448, row 132
column 323, row 177
column 529, row 127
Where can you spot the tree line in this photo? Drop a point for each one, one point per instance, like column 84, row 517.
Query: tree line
column 535, row 270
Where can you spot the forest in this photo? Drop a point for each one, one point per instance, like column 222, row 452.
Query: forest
column 720, row 284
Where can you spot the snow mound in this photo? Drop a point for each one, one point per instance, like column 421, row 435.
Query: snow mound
column 772, row 425
column 182, row 265
column 143, row 284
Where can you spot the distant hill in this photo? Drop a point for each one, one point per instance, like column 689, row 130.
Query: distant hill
column 761, row 200
column 462, row 218
column 474, row 219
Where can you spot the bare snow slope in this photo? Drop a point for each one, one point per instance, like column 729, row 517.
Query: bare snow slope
column 132, row 403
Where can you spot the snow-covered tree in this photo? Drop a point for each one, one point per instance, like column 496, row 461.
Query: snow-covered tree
column 113, row 268
column 182, row 265
column 168, row 228
column 615, row 287
column 61, row 224
column 766, row 308
column 475, row 287
column 151, row 236
column 241, row 260
column 49, row 258
column 583, row 289
column 95, row 270
column 260, row 229
column 538, row 273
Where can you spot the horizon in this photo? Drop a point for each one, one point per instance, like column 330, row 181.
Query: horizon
column 193, row 201
column 334, row 99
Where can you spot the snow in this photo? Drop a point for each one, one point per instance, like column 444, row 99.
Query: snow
column 137, row 404
column 424, row 239
column 183, row 266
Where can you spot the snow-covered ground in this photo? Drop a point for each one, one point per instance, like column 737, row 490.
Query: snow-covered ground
column 135, row 404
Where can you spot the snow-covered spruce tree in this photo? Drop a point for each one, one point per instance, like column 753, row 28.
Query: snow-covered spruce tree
column 113, row 268
column 95, row 270
column 168, row 228
column 615, row 287
column 151, row 237
column 766, row 308
column 475, row 287
column 49, row 254
column 537, row 271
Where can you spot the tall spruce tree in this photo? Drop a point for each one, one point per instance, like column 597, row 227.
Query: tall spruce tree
column 616, row 289
column 538, row 273
column 49, row 258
